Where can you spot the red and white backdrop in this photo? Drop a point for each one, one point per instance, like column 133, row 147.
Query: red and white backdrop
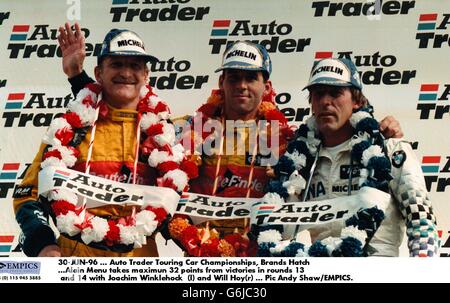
column 401, row 48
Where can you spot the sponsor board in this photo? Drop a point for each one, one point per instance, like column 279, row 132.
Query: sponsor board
column 203, row 207
column 152, row 11
column 308, row 214
column 275, row 36
column 40, row 40
column 94, row 191
column 433, row 30
column 433, row 101
column 435, row 169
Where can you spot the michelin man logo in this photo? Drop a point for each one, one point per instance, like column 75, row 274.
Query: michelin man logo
column 267, row 62
column 398, row 158
column 357, row 78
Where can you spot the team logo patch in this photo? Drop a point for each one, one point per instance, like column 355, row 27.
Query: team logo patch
column 398, row 158
column 22, row 191
column 258, row 159
column 344, row 172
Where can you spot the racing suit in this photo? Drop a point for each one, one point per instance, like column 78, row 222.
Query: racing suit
column 233, row 172
column 233, row 177
column 112, row 158
column 409, row 207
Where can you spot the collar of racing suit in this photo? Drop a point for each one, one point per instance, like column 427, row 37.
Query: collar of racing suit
column 117, row 114
column 343, row 147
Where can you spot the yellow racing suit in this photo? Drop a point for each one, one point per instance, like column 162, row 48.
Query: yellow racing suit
column 112, row 158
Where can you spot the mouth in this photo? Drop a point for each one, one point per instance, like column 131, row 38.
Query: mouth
column 327, row 115
column 118, row 82
column 240, row 97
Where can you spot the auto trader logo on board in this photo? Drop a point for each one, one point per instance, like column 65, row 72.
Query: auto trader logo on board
column 156, row 10
column 40, row 40
column 361, row 8
column 32, row 109
column 433, row 30
column 276, row 37
column 10, row 174
column 374, row 68
column 433, row 101
column 434, row 168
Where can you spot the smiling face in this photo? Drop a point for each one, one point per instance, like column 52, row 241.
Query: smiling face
column 122, row 78
column 243, row 91
column 332, row 107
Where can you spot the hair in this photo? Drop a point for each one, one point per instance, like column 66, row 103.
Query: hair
column 357, row 95
column 265, row 75
column 101, row 59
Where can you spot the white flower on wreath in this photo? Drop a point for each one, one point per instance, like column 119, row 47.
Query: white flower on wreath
column 279, row 247
column 97, row 232
column 351, row 231
column 298, row 159
column 271, row 235
column 66, row 223
column 272, row 198
column 145, row 221
column 372, row 151
column 331, row 244
column 358, row 116
column 295, row 184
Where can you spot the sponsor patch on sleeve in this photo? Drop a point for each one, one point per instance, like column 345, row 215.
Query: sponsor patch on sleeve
column 22, row 191
column 398, row 158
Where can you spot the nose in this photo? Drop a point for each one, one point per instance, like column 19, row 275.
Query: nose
column 325, row 100
column 125, row 71
column 241, row 84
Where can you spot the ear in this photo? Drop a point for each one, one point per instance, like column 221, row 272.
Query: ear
column 356, row 105
column 267, row 87
column 221, row 79
column 146, row 74
column 98, row 73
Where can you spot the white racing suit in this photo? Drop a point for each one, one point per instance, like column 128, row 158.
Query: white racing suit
column 409, row 207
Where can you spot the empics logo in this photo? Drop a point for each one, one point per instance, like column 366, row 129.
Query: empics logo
column 137, row 10
column 27, row 41
column 431, row 168
column 276, row 34
column 432, row 30
column 430, row 100
column 373, row 68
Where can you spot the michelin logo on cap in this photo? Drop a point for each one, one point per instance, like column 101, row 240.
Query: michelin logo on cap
column 335, row 72
column 246, row 56
column 126, row 41
column 122, row 42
